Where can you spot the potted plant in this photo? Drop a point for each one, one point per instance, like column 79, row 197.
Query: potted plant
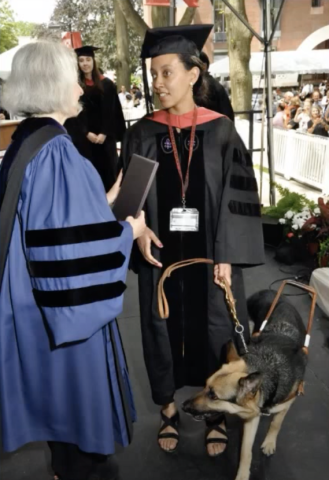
column 275, row 230
column 316, row 227
column 323, row 255
column 293, row 248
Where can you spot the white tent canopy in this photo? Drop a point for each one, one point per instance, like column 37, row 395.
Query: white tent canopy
column 314, row 61
column 6, row 58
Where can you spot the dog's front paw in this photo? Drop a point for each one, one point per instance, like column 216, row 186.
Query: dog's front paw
column 269, row 446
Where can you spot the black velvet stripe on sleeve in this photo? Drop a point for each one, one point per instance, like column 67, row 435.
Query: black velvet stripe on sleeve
column 78, row 266
column 242, row 159
column 78, row 296
column 247, row 184
column 245, row 209
column 67, row 236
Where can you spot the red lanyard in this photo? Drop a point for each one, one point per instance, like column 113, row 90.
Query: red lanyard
column 185, row 182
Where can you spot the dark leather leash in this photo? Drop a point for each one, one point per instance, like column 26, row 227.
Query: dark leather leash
column 222, row 282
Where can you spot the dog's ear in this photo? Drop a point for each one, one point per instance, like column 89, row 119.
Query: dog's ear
column 250, row 384
column 231, row 353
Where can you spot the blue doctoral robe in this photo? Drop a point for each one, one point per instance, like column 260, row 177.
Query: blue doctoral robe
column 63, row 375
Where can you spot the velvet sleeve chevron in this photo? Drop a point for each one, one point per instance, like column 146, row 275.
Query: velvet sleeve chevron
column 77, row 253
column 239, row 237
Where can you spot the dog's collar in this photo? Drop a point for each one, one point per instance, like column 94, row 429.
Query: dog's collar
column 265, row 411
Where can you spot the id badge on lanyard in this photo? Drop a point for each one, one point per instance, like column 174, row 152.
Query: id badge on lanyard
column 184, row 219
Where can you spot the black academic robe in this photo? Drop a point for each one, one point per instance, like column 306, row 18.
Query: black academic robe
column 188, row 347
column 102, row 113
column 216, row 98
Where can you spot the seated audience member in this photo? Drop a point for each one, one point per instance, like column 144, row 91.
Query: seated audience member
column 316, row 125
column 290, row 112
column 317, row 99
column 122, row 94
column 129, row 102
column 325, row 101
column 277, row 95
column 307, row 91
column 326, row 113
column 303, row 116
column 279, row 118
column 287, row 97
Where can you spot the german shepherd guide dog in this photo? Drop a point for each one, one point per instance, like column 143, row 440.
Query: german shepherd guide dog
column 264, row 381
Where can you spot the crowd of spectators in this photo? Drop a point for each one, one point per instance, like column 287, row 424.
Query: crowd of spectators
column 306, row 111
column 131, row 99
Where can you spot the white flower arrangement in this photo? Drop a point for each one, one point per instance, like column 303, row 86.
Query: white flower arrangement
column 296, row 220
column 317, row 211
column 289, row 214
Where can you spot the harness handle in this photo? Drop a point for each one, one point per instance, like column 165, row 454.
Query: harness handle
column 302, row 286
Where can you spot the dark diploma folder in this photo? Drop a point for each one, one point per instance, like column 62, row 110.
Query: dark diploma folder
column 135, row 187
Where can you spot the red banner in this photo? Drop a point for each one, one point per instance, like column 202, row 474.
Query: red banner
column 72, row 39
column 192, row 3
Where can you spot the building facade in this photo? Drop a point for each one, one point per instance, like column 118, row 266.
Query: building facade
column 300, row 20
column 303, row 24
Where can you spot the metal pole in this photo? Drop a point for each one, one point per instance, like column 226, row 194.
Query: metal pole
column 276, row 21
column 244, row 21
column 269, row 97
column 251, row 133
column 172, row 9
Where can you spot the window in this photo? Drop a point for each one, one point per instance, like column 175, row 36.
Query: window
column 219, row 21
column 316, row 3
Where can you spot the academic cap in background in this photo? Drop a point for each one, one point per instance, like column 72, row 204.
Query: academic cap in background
column 185, row 39
column 86, row 51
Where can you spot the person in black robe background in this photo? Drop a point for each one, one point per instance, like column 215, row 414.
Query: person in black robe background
column 101, row 123
column 190, row 345
column 216, row 98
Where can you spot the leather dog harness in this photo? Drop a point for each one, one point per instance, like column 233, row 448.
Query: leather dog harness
column 163, row 307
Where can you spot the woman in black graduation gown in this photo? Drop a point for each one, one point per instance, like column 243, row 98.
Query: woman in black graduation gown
column 101, row 124
column 222, row 190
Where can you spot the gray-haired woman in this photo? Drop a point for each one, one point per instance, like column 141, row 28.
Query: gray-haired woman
column 63, row 377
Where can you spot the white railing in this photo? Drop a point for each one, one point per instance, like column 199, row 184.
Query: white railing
column 303, row 157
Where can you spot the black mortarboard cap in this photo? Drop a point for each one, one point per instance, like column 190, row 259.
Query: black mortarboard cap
column 188, row 39
column 86, row 51
column 183, row 39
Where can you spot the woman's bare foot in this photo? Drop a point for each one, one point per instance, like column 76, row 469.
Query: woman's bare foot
column 216, row 448
column 169, row 444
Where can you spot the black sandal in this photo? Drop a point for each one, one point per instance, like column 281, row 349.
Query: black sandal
column 172, row 422
column 213, row 425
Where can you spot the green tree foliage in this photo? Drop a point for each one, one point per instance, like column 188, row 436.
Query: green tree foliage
column 25, row 29
column 95, row 19
column 8, row 36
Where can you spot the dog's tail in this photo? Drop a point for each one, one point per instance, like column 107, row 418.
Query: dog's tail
column 259, row 305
